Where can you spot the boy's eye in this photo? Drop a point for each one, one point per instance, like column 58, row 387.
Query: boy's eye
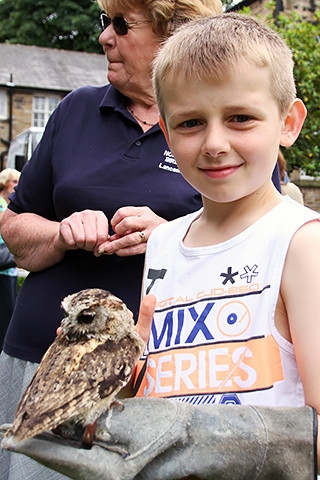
column 241, row 118
column 190, row 123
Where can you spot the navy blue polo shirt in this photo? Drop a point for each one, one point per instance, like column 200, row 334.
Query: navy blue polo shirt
column 93, row 155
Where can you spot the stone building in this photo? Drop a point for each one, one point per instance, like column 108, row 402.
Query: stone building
column 305, row 8
column 34, row 79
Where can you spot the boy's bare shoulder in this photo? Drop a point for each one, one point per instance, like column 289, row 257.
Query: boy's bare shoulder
column 306, row 242
column 309, row 231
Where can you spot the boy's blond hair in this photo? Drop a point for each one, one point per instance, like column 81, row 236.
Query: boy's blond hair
column 210, row 48
column 165, row 15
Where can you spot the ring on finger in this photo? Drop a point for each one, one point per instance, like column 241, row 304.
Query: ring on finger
column 143, row 237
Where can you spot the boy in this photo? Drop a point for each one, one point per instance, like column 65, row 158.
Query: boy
column 236, row 283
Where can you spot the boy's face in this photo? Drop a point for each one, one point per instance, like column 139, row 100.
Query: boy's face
column 225, row 135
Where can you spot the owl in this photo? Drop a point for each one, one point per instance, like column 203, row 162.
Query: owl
column 83, row 370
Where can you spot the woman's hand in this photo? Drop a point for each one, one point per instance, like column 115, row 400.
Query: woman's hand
column 85, row 230
column 132, row 227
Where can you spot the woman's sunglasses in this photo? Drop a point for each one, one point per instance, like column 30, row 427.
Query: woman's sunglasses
column 120, row 24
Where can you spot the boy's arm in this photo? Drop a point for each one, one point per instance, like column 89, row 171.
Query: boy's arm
column 301, row 296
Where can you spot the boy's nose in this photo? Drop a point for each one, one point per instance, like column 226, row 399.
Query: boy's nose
column 216, row 141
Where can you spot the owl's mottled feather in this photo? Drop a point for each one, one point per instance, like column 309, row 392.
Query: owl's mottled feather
column 85, row 367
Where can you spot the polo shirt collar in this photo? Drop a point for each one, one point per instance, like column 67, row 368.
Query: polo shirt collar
column 113, row 100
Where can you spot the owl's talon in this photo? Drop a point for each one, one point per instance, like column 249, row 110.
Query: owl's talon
column 117, row 403
column 88, row 436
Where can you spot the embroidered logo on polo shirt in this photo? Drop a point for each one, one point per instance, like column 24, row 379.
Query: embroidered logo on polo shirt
column 169, row 162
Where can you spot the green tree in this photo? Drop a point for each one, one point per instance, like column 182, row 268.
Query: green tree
column 303, row 38
column 67, row 24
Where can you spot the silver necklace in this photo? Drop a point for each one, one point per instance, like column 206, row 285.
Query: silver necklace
column 139, row 119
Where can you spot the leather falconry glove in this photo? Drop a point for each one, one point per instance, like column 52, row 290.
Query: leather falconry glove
column 160, row 439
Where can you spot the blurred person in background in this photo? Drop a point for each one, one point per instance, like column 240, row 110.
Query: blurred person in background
column 8, row 276
column 288, row 187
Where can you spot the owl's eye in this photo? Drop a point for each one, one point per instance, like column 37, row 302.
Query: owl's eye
column 86, row 316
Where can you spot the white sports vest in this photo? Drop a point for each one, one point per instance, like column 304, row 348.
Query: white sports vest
column 213, row 336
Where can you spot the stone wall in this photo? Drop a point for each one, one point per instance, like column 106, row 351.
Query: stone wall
column 304, row 8
column 311, row 194
column 22, row 108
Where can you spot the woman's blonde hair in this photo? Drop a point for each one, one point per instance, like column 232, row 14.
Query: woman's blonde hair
column 7, row 175
column 165, row 15
column 210, row 48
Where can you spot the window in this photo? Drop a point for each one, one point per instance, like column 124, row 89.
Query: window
column 42, row 109
column 3, row 105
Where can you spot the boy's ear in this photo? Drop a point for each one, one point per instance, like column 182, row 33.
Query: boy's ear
column 164, row 129
column 293, row 123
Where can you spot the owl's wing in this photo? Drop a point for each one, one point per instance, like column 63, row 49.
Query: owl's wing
column 71, row 380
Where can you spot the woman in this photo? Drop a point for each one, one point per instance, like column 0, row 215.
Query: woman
column 9, row 178
column 100, row 180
